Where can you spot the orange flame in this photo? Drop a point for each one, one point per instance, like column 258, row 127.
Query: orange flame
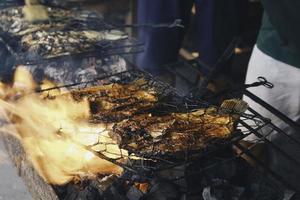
column 55, row 133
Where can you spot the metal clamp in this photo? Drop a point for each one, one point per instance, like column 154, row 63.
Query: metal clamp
column 177, row 23
column 262, row 81
column 265, row 82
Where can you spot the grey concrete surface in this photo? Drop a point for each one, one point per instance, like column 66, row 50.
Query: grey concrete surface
column 11, row 185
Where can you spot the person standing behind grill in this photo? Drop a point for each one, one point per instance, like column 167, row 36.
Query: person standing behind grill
column 276, row 56
column 212, row 19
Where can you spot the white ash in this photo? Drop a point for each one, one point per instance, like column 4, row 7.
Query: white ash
column 70, row 71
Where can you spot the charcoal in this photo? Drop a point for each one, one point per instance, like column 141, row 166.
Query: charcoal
column 88, row 192
column 290, row 195
column 222, row 191
column 113, row 193
column 106, row 182
column 237, row 180
column 175, row 173
column 223, row 170
column 69, row 71
column 163, row 190
column 111, row 65
column 134, row 194
column 3, row 54
column 260, row 187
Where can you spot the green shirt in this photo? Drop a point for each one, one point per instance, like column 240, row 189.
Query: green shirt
column 279, row 36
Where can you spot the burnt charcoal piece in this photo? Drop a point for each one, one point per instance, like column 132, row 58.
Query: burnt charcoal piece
column 262, row 188
column 3, row 54
column 75, row 70
column 163, row 190
column 114, row 193
column 222, row 190
column 6, row 71
column 134, row 194
column 235, row 179
column 86, row 192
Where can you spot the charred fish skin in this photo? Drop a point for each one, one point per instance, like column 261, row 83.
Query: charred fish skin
column 13, row 21
column 60, row 43
column 48, row 44
column 174, row 133
column 65, row 33
column 115, row 102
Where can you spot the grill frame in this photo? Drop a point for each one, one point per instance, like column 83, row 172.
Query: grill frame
column 85, row 20
column 237, row 91
column 120, row 77
column 146, row 172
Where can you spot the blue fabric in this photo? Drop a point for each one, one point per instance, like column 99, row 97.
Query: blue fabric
column 162, row 45
column 205, row 17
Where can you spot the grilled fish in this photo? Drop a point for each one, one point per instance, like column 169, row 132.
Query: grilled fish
column 13, row 21
column 177, row 132
column 60, row 43
column 115, row 102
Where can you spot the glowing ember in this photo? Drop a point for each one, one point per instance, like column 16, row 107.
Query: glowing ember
column 55, row 133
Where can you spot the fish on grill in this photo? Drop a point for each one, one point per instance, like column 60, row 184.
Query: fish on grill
column 13, row 21
column 115, row 102
column 60, row 43
column 177, row 132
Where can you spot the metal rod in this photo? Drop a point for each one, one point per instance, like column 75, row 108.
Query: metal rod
column 124, row 53
column 271, row 144
column 226, row 55
column 132, row 49
column 273, row 110
column 112, row 46
column 81, row 83
column 176, row 24
column 275, row 127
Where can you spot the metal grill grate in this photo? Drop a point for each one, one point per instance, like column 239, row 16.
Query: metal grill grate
column 188, row 164
column 169, row 101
